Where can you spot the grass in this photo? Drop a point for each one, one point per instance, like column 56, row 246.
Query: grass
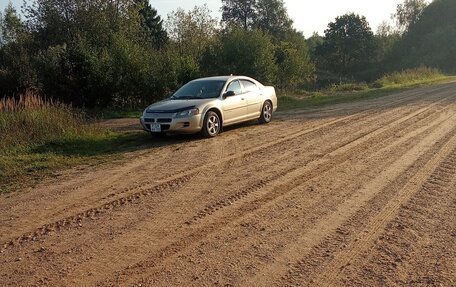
column 31, row 119
column 349, row 87
column 388, row 84
column 409, row 76
column 119, row 114
column 39, row 137
column 21, row 167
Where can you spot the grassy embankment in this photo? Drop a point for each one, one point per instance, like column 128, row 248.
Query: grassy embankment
column 39, row 138
column 388, row 84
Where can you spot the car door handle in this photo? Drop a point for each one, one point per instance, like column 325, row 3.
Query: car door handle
column 242, row 99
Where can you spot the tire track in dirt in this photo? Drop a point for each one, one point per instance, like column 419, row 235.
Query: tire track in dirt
column 177, row 180
column 175, row 183
column 362, row 139
column 423, row 114
column 315, row 254
column 415, row 134
column 416, row 248
column 318, row 206
column 438, row 179
column 418, row 118
column 404, row 97
column 277, row 192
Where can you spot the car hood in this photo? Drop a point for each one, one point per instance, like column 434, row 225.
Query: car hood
column 174, row 106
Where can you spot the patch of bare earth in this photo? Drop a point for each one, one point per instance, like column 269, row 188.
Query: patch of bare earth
column 359, row 194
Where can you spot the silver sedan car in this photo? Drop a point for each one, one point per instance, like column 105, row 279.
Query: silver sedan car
column 207, row 105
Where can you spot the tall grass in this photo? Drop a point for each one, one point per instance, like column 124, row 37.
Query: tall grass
column 30, row 120
column 33, row 130
column 409, row 76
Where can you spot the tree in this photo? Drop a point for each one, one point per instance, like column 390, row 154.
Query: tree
column 239, row 13
column 2, row 41
column 430, row 41
column 152, row 23
column 242, row 52
column 386, row 38
column 95, row 53
column 385, row 29
column 53, row 22
column 348, row 47
column 293, row 61
column 191, row 31
column 12, row 28
column 190, row 34
column 408, row 13
column 313, row 42
column 272, row 17
column 16, row 68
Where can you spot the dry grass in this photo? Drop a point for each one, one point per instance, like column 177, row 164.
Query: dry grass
column 39, row 136
column 30, row 120
column 409, row 76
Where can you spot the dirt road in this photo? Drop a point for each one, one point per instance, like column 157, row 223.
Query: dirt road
column 360, row 194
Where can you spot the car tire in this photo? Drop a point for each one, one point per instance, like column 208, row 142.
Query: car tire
column 212, row 125
column 266, row 113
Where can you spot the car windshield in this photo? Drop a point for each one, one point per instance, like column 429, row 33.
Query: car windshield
column 205, row 89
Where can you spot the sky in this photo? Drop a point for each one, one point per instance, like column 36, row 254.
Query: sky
column 308, row 15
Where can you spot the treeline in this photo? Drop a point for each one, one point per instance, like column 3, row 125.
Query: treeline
column 102, row 53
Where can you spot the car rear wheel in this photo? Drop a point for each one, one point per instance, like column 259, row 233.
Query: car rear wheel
column 211, row 125
column 266, row 113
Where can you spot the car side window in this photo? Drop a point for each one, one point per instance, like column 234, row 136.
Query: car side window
column 235, row 86
column 249, row 86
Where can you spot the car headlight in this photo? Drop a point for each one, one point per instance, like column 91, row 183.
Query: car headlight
column 187, row 113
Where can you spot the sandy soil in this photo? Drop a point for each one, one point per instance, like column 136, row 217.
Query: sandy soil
column 359, row 194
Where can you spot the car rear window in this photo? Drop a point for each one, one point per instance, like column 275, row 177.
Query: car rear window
column 249, row 86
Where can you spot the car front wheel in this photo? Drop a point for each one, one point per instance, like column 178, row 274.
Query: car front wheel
column 211, row 125
column 266, row 113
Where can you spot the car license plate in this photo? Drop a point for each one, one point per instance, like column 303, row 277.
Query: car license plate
column 155, row 127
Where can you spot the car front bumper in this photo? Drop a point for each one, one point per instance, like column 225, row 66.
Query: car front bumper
column 168, row 124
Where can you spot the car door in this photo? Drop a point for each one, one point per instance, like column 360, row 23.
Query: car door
column 235, row 106
column 253, row 97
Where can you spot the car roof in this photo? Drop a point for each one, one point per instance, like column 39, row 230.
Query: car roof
column 223, row 78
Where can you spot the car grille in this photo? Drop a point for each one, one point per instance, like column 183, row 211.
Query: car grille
column 150, row 120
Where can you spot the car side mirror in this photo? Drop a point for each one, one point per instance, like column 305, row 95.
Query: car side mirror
column 228, row 94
